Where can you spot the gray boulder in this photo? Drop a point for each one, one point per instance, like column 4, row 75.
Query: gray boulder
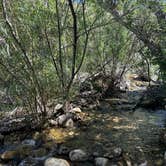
column 78, row 155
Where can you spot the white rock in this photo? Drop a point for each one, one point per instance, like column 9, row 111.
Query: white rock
column 29, row 142
column 58, row 107
column 144, row 164
column 56, row 162
column 76, row 110
column 117, row 152
column 53, row 122
column 101, row 161
column 78, row 155
column 69, row 123
column 62, row 119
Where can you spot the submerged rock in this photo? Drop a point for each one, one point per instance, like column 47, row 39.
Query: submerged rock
column 56, row 162
column 30, row 162
column 101, row 161
column 78, row 155
column 30, row 142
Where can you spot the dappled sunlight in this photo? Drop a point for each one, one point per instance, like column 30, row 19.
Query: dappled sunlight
column 60, row 135
column 126, row 127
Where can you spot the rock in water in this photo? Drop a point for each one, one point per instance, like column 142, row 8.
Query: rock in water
column 101, row 161
column 56, row 162
column 78, row 155
column 30, row 142
column 30, row 162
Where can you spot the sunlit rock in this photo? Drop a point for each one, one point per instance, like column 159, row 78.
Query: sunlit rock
column 69, row 123
column 76, row 110
column 56, row 162
column 61, row 119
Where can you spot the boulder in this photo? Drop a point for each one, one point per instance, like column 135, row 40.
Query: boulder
column 53, row 122
column 69, row 123
column 101, row 161
column 61, row 119
column 78, row 155
column 55, row 162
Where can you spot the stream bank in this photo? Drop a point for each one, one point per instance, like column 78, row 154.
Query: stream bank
column 111, row 133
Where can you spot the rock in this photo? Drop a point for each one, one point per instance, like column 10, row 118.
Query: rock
column 1, row 139
column 101, row 161
column 58, row 107
column 56, row 162
column 165, row 156
column 19, row 152
column 61, row 119
column 30, row 142
column 144, row 164
column 117, row 152
column 78, row 155
column 76, row 110
column 9, row 155
column 69, row 123
column 30, row 162
column 53, row 122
